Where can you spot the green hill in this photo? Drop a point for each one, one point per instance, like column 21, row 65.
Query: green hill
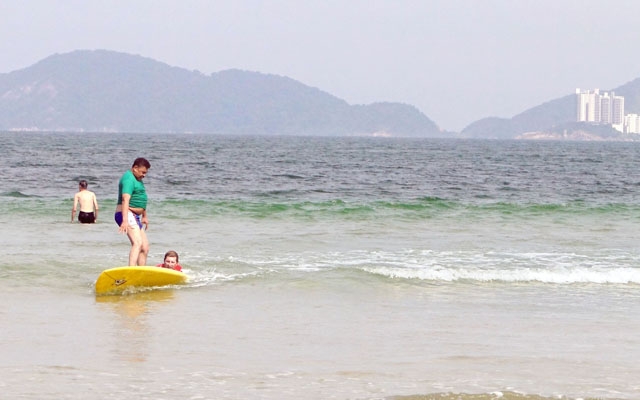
column 106, row 91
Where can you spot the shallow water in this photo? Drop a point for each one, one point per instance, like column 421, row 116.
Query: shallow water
column 323, row 268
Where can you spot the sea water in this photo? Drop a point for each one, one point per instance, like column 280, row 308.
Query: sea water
column 325, row 268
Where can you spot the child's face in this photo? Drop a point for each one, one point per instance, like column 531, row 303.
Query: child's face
column 170, row 262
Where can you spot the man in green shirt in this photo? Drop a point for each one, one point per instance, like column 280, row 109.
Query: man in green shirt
column 131, row 211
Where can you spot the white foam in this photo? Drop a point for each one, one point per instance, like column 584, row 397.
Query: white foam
column 447, row 266
column 516, row 267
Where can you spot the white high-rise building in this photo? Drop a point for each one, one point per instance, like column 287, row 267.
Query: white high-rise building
column 600, row 108
column 605, row 108
column 632, row 123
column 617, row 110
column 588, row 105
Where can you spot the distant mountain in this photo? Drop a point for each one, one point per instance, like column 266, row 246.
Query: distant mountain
column 539, row 118
column 106, row 91
column 555, row 119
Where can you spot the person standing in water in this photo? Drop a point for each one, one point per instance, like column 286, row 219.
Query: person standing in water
column 88, row 204
column 131, row 211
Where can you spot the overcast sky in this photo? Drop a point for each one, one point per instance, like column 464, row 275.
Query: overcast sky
column 456, row 60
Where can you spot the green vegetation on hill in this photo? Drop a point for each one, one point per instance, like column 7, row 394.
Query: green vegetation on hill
column 105, row 91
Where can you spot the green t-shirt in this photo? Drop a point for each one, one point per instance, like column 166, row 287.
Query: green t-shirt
column 130, row 185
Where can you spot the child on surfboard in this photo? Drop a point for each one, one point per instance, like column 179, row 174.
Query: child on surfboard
column 171, row 261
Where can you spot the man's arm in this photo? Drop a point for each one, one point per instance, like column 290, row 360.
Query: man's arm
column 145, row 220
column 73, row 208
column 125, row 213
column 95, row 206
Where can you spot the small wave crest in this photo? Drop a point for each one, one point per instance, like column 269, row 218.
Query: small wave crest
column 15, row 194
column 271, row 205
column 434, row 266
column 207, row 277
column 577, row 275
column 513, row 268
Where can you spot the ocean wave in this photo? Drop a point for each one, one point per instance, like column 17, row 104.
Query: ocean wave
column 423, row 208
column 437, row 267
column 552, row 268
column 402, row 209
column 16, row 194
column 573, row 276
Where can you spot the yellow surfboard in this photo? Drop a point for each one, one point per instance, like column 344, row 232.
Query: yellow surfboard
column 116, row 280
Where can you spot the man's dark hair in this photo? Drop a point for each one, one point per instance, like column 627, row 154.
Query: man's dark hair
column 141, row 162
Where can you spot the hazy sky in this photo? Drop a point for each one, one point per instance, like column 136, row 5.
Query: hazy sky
column 455, row 60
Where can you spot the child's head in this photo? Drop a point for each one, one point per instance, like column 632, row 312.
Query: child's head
column 171, row 259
